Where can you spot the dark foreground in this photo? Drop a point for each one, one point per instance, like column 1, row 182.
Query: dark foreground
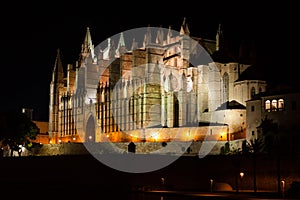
column 83, row 176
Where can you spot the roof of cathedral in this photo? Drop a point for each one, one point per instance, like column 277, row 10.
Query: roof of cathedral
column 222, row 57
column 231, row 105
column 253, row 72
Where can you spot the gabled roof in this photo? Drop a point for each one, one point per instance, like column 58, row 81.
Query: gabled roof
column 231, row 105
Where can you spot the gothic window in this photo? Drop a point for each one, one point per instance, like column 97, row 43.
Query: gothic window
column 274, row 105
column 166, row 84
column 173, row 83
column 225, row 87
column 176, row 111
column 102, row 97
column 268, row 105
column 189, row 84
column 70, row 103
column 78, row 101
column 252, row 92
column 280, row 104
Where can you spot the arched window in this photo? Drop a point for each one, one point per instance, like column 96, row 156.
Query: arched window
column 189, row 84
column 268, row 105
column 252, row 92
column 102, row 97
column 280, row 104
column 225, row 87
column 274, row 105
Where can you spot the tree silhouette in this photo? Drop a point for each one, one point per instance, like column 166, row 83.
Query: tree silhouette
column 271, row 136
column 254, row 147
column 17, row 128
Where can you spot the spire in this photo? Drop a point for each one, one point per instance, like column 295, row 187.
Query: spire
column 112, row 49
column 219, row 38
column 134, row 44
column 184, row 29
column 58, row 72
column 147, row 37
column 160, row 36
column 169, row 35
column 121, row 48
column 87, row 46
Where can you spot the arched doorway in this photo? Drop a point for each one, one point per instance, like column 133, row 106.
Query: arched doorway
column 90, row 130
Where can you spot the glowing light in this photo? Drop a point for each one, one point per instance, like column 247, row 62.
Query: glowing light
column 189, row 136
column 163, row 181
column 22, row 148
column 74, row 138
column 242, row 174
column 155, row 136
column 90, row 137
column 59, row 141
column 222, row 135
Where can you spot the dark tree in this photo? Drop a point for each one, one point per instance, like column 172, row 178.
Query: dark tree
column 17, row 127
column 253, row 147
column 272, row 137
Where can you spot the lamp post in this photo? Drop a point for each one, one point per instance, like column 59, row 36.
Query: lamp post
column 211, row 184
column 283, row 187
column 241, row 176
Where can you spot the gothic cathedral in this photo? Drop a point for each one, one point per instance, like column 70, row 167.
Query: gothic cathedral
column 170, row 87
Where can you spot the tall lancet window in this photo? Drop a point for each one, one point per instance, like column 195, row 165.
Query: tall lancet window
column 252, row 92
column 176, row 110
column 189, row 83
column 225, row 87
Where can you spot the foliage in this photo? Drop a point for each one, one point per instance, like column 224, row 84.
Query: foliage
column 226, row 150
column 255, row 145
column 270, row 135
column 17, row 127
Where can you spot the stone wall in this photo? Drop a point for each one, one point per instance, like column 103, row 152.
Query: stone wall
column 168, row 148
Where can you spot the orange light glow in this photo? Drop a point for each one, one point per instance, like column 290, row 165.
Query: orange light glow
column 155, row 136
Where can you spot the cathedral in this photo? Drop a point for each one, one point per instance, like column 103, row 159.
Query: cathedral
column 164, row 86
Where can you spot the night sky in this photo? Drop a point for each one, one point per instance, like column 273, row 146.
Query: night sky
column 31, row 33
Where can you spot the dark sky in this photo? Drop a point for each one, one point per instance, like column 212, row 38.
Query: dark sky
column 32, row 31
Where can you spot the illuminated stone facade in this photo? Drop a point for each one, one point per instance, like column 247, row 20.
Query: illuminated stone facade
column 279, row 105
column 153, row 92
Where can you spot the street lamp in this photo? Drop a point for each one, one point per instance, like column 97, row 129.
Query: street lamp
column 283, row 187
column 242, row 174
